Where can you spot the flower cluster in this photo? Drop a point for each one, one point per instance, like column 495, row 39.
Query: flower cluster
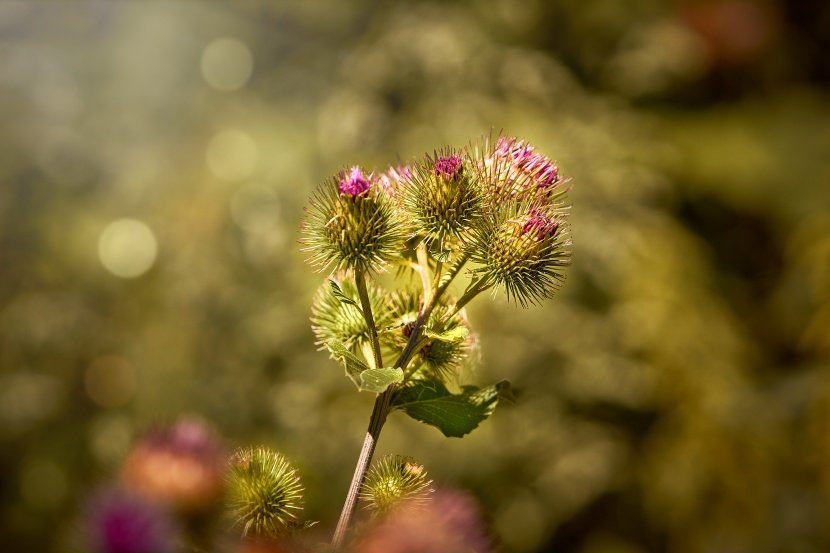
column 498, row 203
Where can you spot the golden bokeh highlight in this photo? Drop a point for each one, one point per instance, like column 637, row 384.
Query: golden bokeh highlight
column 227, row 64
column 127, row 248
column 232, row 155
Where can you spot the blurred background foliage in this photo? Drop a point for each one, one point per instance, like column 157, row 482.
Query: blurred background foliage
column 673, row 397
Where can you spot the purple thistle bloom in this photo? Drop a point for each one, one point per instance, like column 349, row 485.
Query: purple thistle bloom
column 541, row 225
column 392, row 179
column 524, row 158
column 355, row 183
column 119, row 522
column 448, row 166
column 545, row 172
column 181, row 465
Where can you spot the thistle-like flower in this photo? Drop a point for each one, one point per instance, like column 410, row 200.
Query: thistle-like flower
column 450, row 521
column 352, row 223
column 264, row 492
column 523, row 250
column 513, row 170
column 336, row 314
column 442, row 199
column 393, row 480
column 181, row 465
column 116, row 521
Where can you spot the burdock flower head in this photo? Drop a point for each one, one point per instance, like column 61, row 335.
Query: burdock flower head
column 514, row 170
column 393, row 480
column 523, row 250
column 264, row 492
column 442, row 198
column 181, row 465
column 352, row 223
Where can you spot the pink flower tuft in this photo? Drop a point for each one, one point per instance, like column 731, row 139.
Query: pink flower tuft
column 541, row 225
column 355, row 183
column 448, row 166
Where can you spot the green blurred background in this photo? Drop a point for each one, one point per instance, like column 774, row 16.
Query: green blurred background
column 673, row 397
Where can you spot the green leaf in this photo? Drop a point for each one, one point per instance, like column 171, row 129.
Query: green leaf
column 354, row 366
column 454, row 415
column 366, row 379
column 453, row 335
column 377, row 380
column 338, row 293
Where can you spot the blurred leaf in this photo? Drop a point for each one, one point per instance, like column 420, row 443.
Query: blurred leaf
column 366, row 379
column 338, row 293
column 377, row 380
column 354, row 366
column 454, row 415
column 453, row 335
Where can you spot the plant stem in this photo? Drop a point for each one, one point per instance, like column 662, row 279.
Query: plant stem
column 423, row 262
column 383, row 401
column 366, row 306
column 468, row 295
column 378, row 418
column 451, row 273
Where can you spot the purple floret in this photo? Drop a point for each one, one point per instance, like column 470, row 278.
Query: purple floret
column 355, row 183
column 448, row 166
column 541, row 225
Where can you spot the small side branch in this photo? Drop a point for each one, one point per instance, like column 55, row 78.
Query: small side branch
column 366, row 306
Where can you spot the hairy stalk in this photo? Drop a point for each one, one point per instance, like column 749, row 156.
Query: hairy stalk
column 383, row 401
column 423, row 262
column 475, row 289
column 363, row 293
column 376, row 422
column 451, row 273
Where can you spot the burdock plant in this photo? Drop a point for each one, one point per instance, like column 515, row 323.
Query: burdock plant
column 492, row 215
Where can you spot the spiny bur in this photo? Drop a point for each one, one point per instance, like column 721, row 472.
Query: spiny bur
column 393, row 480
column 523, row 250
column 264, row 492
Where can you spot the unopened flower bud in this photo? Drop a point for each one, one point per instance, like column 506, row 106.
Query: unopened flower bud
column 393, row 480
column 332, row 319
column 264, row 492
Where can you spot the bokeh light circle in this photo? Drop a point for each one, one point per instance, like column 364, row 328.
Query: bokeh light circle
column 227, row 64
column 231, row 155
column 127, row 248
